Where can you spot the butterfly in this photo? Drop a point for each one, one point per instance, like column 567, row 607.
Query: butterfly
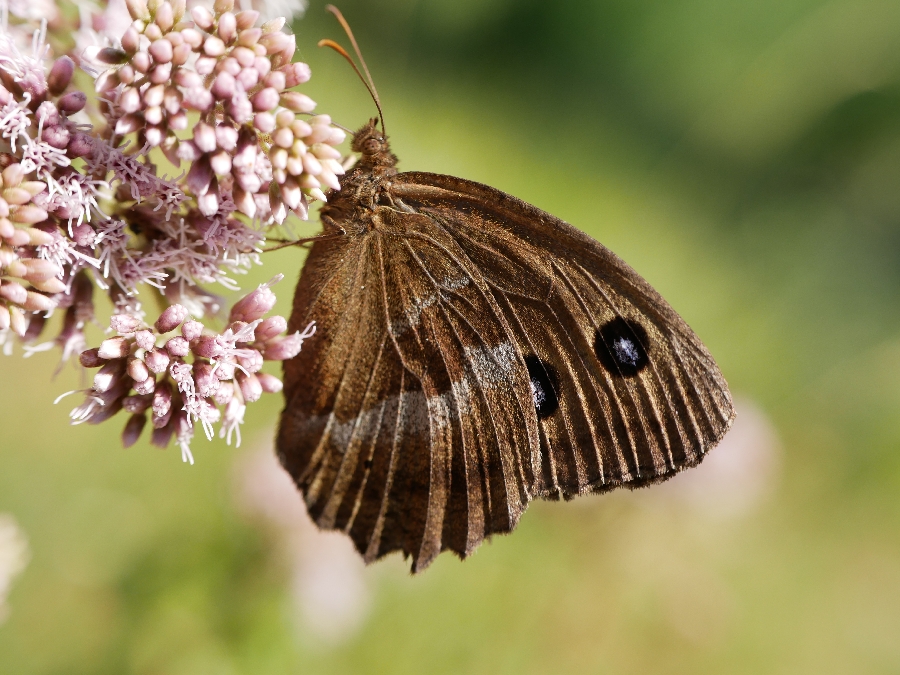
column 475, row 353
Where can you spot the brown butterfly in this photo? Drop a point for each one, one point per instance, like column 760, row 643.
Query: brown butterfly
column 474, row 353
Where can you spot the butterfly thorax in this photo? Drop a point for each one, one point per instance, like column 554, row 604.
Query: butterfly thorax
column 363, row 187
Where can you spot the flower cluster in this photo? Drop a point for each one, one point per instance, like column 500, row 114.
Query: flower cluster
column 144, row 370
column 251, row 148
column 87, row 206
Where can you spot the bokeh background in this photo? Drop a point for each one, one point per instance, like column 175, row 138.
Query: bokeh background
column 745, row 158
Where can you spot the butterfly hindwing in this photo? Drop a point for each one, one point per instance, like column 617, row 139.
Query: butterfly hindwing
column 571, row 302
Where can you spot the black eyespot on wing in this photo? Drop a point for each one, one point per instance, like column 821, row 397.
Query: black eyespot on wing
column 621, row 346
column 544, row 386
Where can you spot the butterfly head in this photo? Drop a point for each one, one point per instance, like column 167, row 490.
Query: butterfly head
column 374, row 147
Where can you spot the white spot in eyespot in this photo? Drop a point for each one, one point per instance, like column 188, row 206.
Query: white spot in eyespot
column 538, row 394
column 626, row 352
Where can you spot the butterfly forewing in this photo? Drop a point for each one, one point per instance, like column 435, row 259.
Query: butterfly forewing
column 473, row 353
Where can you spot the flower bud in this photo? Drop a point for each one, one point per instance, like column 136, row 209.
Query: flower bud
column 162, row 51
column 224, row 86
column 136, row 404
column 207, row 347
column 131, row 40
column 17, row 322
column 133, row 428
column 161, row 437
column 283, row 348
column 13, row 291
column 225, row 393
column 209, row 203
column 213, row 46
column 177, row 346
column 264, row 121
column 162, row 399
column 108, row 375
column 29, row 214
column 145, row 340
column 205, row 379
column 53, row 286
column 200, row 176
column 269, row 383
column 157, row 360
column 226, row 137
column 111, row 56
column 72, row 102
column 191, row 330
column 202, row 17
column 165, row 17
column 250, row 387
column 124, row 323
column 138, row 10
column 171, row 317
column 197, row 98
column 160, row 421
column 90, row 358
column 251, row 361
column 270, row 327
column 266, row 99
column 296, row 73
column 227, row 27
column 146, row 387
column 128, row 124
column 36, row 302
column 60, row 75
column 114, row 348
column 137, row 369
column 253, row 305
column 161, row 73
column 246, row 19
column 225, row 370
column 80, row 145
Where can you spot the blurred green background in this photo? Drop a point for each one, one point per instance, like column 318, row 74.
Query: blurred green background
column 744, row 158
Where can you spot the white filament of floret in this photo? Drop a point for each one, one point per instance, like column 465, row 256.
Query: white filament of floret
column 234, row 418
column 195, row 406
column 67, row 257
column 13, row 61
column 15, row 118
column 78, row 189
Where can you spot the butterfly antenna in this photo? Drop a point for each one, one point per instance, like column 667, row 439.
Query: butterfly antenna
column 367, row 81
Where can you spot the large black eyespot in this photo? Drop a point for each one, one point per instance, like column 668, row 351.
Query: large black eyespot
column 544, row 386
column 621, row 345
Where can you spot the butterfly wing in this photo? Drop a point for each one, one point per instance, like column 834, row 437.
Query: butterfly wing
column 474, row 353
column 637, row 395
column 404, row 425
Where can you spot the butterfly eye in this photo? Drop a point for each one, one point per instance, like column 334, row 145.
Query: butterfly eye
column 621, row 346
column 544, row 386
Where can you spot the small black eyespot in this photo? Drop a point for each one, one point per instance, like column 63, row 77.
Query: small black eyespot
column 544, row 386
column 621, row 345
column 368, row 463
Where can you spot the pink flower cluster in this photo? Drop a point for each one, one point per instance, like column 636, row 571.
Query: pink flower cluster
column 251, row 151
column 144, row 370
column 86, row 204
